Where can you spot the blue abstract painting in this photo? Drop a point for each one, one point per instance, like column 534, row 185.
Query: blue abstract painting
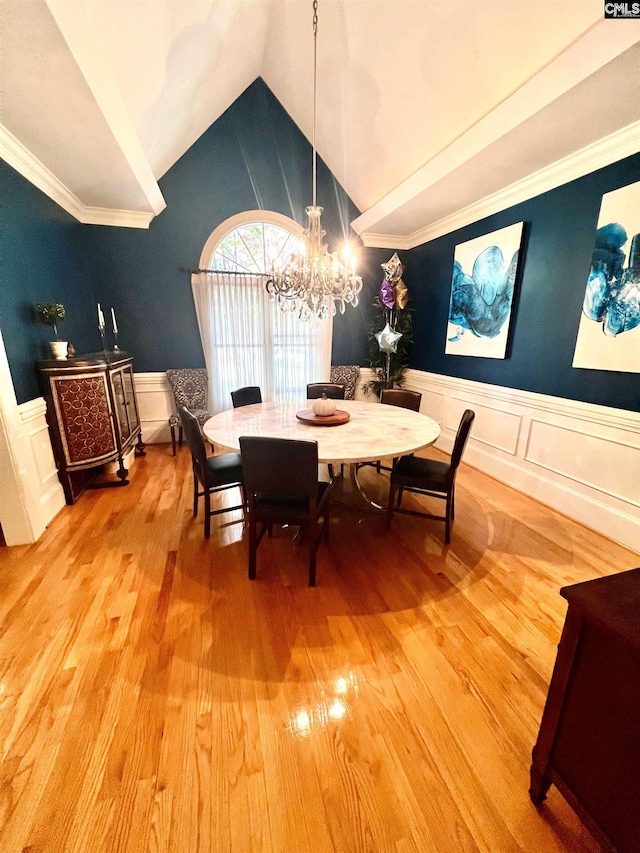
column 484, row 276
column 609, row 330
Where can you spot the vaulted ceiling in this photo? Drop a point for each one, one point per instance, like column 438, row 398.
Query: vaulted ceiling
column 431, row 113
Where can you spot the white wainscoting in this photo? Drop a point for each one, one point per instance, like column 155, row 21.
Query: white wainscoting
column 155, row 406
column 46, row 485
column 583, row 460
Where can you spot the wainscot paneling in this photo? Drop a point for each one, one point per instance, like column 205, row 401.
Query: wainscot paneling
column 155, row 406
column 583, row 460
column 46, row 485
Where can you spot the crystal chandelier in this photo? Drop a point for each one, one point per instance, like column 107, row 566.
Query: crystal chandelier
column 314, row 282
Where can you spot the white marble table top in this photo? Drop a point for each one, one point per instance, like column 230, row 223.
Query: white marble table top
column 373, row 431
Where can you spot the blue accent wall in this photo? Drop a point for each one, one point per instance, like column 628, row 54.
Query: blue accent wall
column 559, row 235
column 40, row 261
column 252, row 157
column 255, row 157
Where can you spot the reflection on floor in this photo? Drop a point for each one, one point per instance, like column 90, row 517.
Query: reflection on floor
column 152, row 698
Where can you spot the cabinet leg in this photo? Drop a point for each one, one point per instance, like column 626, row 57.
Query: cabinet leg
column 540, row 784
column 122, row 472
column 140, row 451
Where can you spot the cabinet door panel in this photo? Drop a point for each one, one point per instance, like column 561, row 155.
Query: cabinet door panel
column 82, row 406
column 121, row 405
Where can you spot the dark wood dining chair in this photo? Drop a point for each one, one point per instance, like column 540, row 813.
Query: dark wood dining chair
column 281, row 486
column 431, row 477
column 402, row 398
column 246, row 396
column 213, row 473
column 333, row 390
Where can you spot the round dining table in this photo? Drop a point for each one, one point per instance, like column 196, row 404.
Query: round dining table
column 373, row 431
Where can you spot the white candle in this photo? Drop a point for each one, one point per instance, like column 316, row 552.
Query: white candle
column 100, row 317
column 113, row 319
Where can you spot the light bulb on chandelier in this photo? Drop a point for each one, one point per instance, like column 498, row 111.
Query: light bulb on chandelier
column 314, row 282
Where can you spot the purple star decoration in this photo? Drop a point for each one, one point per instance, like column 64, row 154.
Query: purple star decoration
column 387, row 294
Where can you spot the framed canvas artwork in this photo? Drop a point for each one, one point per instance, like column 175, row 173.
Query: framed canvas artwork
column 485, row 271
column 609, row 330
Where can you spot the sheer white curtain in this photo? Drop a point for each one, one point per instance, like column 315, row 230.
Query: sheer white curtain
column 248, row 340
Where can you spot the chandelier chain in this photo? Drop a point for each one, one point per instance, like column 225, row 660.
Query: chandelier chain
column 315, row 93
column 313, row 281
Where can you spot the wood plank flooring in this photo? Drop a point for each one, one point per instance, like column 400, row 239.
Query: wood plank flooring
column 152, row 698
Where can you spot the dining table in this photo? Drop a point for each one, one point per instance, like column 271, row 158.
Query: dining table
column 372, row 432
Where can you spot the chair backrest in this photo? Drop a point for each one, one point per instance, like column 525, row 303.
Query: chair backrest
column 400, row 397
column 348, row 375
column 189, row 387
column 246, row 396
column 462, row 435
column 195, row 441
column 333, row 390
column 279, row 466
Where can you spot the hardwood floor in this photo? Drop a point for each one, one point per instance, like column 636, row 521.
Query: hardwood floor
column 152, row 698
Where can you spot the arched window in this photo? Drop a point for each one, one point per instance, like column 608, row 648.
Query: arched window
column 247, row 339
column 250, row 241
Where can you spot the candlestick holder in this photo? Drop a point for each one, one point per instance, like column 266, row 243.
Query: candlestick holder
column 116, row 348
column 104, row 339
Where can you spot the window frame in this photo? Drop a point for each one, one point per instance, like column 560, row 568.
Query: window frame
column 247, row 217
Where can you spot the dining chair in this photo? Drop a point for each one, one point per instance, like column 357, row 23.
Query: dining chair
column 431, row 477
column 333, row 390
column 281, row 487
column 402, row 398
column 246, row 396
column 189, row 388
column 347, row 375
column 213, row 473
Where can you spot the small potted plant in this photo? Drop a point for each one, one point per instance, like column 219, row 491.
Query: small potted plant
column 51, row 314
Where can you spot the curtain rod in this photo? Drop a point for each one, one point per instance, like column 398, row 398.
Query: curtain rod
column 226, row 272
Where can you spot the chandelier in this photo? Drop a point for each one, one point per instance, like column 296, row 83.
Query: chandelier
column 314, row 282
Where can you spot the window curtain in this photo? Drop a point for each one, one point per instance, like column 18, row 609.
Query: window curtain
column 248, row 340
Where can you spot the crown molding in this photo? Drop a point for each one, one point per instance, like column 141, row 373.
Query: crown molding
column 118, row 218
column 596, row 47
column 623, row 143
column 27, row 164
column 386, row 241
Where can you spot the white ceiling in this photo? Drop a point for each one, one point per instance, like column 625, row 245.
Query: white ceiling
column 430, row 112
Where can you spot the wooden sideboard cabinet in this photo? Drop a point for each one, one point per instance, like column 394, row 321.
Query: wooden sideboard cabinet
column 93, row 417
column 589, row 739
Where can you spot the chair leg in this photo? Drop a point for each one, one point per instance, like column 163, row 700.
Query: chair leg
column 453, row 502
column 180, row 436
column 195, row 495
column 330, row 467
column 400, row 493
column 253, row 545
column 173, row 439
column 325, row 526
column 207, row 512
column 447, row 520
column 378, row 467
column 392, row 494
column 313, row 545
